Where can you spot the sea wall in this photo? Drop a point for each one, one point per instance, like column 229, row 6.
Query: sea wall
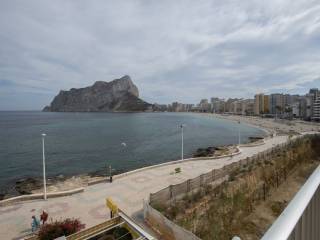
column 39, row 196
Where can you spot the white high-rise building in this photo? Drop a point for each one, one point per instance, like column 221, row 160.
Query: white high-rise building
column 316, row 109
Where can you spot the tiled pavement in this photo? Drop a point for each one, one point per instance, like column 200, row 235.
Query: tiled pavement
column 128, row 192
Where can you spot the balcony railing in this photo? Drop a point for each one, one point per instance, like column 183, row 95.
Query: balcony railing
column 301, row 218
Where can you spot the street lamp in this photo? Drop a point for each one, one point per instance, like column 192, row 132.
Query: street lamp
column 239, row 133
column 44, row 168
column 123, row 144
column 182, row 126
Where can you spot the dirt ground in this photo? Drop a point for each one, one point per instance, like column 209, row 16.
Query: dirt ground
column 254, row 196
column 266, row 212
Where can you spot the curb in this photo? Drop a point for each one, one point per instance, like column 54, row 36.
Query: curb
column 8, row 201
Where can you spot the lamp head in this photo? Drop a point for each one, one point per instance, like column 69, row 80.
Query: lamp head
column 43, row 134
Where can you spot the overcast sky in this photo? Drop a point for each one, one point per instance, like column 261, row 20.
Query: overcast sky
column 173, row 50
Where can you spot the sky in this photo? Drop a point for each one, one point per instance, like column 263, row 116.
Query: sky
column 173, row 50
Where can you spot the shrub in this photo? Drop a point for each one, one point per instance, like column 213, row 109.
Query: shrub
column 177, row 170
column 277, row 207
column 159, row 206
column 57, row 229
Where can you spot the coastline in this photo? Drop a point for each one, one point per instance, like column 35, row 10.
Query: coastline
column 67, row 183
column 129, row 191
column 63, row 183
column 57, row 183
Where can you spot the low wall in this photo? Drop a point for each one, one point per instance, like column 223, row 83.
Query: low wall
column 166, row 228
column 175, row 162
column 39, row 196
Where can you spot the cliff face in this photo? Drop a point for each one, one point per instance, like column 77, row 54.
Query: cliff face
column 117, row 95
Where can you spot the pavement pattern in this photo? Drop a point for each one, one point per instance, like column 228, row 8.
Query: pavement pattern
column 128, row 192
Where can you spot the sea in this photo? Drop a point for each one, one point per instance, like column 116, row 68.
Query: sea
column 80, row 143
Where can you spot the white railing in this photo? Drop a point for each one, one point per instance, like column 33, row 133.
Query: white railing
column 301, row 218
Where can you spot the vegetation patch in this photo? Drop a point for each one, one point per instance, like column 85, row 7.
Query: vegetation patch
column 250, row 201
column 60, row 228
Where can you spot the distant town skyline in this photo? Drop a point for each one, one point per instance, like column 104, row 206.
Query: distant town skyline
column 173, row 50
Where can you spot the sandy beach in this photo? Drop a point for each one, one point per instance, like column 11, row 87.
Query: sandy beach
column 130, row 190
column 279, row 126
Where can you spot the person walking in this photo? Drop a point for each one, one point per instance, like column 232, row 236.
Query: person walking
column 44, row 217
column 35, row 224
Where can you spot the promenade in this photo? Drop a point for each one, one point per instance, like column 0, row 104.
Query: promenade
column 128, row 192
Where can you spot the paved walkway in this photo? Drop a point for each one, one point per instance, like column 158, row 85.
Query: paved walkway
column 128, row 192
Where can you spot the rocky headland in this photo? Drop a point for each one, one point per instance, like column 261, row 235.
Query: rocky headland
column 119, row 95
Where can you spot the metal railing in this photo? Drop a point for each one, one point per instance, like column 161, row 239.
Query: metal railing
column 301, row 218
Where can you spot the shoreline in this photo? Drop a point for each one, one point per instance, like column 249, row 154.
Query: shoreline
column 39, row 193
column 69, row 182
column 61, row 183
column 129, row 191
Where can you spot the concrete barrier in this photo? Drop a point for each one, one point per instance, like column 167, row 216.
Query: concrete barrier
column 8, row 201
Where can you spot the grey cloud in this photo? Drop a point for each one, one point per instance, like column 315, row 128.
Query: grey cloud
column 173, row 50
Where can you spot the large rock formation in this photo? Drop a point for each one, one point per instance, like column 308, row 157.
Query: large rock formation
column 119, row 95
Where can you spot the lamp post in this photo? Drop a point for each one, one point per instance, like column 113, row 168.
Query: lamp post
column 123, row 144
column 110, row 173
column 44, row 168
column 182, row 126
column 239, row 136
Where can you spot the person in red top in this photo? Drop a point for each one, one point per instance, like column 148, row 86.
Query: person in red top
column 44, row 217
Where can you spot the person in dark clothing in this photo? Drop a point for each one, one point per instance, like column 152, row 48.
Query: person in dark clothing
column 44, row 217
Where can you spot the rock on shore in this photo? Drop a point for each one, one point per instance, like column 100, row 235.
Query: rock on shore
column 119, row 95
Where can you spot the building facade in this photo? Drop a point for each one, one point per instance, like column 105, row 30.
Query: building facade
column 259, row 104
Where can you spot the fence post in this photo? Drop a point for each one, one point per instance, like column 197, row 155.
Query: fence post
column 213, row 174
column 150, row 198
column 264, row 191
column 171, row 192
column 285, row 173
column 201, row 180
column 188, row 185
